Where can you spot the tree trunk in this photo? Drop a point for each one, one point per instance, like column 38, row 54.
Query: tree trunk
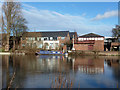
column 13, row 44
column 7, row 45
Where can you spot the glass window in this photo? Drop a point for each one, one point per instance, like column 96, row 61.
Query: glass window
column 96, row 39
column 42, row 38
column 45, row 38
column 23, row 44
column 62, row 44
column 33, row 38
column 51, row 38
column 93, row 38
column 85, row 38
column 37, row 38
column 40, row 46
column 62, row 38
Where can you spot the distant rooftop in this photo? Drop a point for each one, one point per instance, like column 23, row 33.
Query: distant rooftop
column 48, row 34
column 91, row 35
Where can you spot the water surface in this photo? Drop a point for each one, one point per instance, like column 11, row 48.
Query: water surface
column 61, row 72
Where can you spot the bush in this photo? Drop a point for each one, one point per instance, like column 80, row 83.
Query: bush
column 2, row 50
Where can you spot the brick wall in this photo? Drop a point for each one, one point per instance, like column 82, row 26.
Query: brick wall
column 97, row 46
column 81, row 46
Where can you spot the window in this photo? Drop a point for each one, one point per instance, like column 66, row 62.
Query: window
column 85, row 38
column 51, row 38
column 96, row 39
column 37, row 38
column 42, row 38
column 40, row 46
column 34, row 45
column 79, row 39
column 45, row 38
column 62, row 38
column 93, row 38
column 55, row 38
column 33, row 38
column 23, row 44
column 90, row 38
column 62, row 44
column 51, row 45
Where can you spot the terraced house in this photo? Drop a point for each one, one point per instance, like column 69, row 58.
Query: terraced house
column 48, row 40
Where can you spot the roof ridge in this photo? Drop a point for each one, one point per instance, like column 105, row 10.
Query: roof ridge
column 92, row 35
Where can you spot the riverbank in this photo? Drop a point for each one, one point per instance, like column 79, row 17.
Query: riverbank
column 95, row 53
column 73, row 53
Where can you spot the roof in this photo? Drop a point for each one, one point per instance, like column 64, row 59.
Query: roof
column 72, row 33
column 91, row 35
column 46, row 34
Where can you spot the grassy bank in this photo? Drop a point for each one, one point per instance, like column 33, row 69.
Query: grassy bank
column 95, row 53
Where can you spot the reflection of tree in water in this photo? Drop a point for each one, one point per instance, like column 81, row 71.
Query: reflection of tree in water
column 16, row 69
column 61, row 80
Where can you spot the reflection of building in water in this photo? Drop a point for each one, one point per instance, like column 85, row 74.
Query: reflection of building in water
column 89, row 66
column 113, row 62
column 115, row 65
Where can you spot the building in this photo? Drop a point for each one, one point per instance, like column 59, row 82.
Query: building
column 111, row 44
column 47, row 40
column 91, row 42
column 3, row 41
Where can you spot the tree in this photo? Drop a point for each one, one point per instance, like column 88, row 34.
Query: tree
column 116, row 32
column 13, row 22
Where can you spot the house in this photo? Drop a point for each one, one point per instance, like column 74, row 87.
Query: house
column 47, row 40
column 90, row 41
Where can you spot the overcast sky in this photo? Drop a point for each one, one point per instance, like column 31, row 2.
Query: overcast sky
column 82, row 17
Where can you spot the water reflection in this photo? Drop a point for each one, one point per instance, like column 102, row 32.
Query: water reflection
column 60, row 72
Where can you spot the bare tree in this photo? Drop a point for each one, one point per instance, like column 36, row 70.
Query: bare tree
column 13, row 22
column 116, row 32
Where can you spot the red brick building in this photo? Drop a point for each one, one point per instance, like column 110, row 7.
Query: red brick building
column 91, row 42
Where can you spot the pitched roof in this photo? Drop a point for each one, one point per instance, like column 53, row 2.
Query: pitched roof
column 91, row 35
column 46, row 34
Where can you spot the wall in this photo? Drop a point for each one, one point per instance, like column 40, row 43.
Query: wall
column 81, row 46
column 97, row 46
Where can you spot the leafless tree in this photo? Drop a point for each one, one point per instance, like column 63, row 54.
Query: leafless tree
column 13, row 22
column 116, row 32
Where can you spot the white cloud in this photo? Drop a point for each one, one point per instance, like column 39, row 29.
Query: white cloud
column 52, row 20
column 0, row 8
column 106, row 15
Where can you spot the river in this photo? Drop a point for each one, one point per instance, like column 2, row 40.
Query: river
column 44, row 71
